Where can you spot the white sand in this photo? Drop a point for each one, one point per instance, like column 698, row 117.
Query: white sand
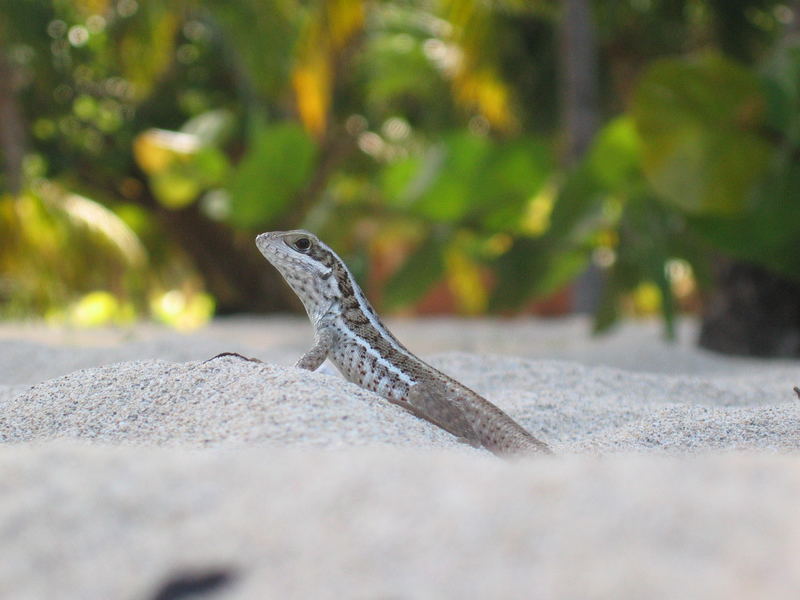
column 123, row 466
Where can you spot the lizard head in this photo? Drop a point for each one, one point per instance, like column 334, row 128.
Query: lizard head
column 306, row 264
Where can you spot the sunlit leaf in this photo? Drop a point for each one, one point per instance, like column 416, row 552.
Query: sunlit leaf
column 311, row 80
column 56, row 246
column 469, row 177
column 476, row 83
column 212, row 127
column 536, row 220
column 92, row 7
column 174, row 189
column 96, row 217
column 95, row 309
column 146, row 47
column 465, row 280
column 156, row 150
column 330, row 28
column 180, row 165
column 181, row 310
column 616, row 154
column 483, row 90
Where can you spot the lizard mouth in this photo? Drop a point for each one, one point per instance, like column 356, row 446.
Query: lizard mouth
column 264, row 242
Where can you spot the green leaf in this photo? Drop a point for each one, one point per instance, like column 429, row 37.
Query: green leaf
column 781, row 73
column 470, row 178
column 145, row 49
column 209, row 166
column 178, row 165
column 419, row 273
column 504, row 184
column 448, row 198
column 578, row 211
column 534, row 268
column 768, row 233
column 698, row 124
column 621, row 279
column 615, row 156
column 397, row 180
column 276, row 167
column 398, row 77
column 174, row 189
column 650, row 234
column 262, row 35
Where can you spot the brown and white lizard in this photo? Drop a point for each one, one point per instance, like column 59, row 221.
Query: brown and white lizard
column 349, row 333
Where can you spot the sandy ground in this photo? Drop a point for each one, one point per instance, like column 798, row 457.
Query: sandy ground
column 131, row 469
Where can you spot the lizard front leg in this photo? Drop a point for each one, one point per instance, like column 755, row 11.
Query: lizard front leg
column 317, row 354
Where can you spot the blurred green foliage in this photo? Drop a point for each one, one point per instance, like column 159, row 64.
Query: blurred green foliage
column 155, row 129
column 277, row 165
column 702, row 149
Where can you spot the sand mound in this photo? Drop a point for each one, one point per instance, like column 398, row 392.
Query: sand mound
column 227, row 402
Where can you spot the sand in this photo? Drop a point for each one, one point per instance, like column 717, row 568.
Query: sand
column 129, row 468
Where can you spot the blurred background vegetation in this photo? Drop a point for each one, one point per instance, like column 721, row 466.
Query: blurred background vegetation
column 466, row 156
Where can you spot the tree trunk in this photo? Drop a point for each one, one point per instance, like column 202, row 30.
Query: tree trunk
column 12, row 129
column 752, row 312
column 234, row 271
column 232, row 268
column 579, row 114
column 578, row 66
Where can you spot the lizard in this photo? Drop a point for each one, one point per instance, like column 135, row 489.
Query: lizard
column 348, row 331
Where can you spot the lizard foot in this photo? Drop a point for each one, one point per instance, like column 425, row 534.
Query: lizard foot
column 236, row 354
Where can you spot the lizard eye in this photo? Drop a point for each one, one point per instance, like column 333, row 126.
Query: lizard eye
column 302, row 244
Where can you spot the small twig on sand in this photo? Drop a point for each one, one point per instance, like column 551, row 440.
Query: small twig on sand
column 237, row 355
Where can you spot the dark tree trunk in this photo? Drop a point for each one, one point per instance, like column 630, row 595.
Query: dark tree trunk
column 578, row 66
column 233, row 269
column 579, row 116
column 12, row 129
column 752, row 312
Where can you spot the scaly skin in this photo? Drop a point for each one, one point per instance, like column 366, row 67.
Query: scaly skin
column 348, row 332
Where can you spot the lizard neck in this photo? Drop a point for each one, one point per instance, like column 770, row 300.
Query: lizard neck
column 355, row 312
column 365, row 351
